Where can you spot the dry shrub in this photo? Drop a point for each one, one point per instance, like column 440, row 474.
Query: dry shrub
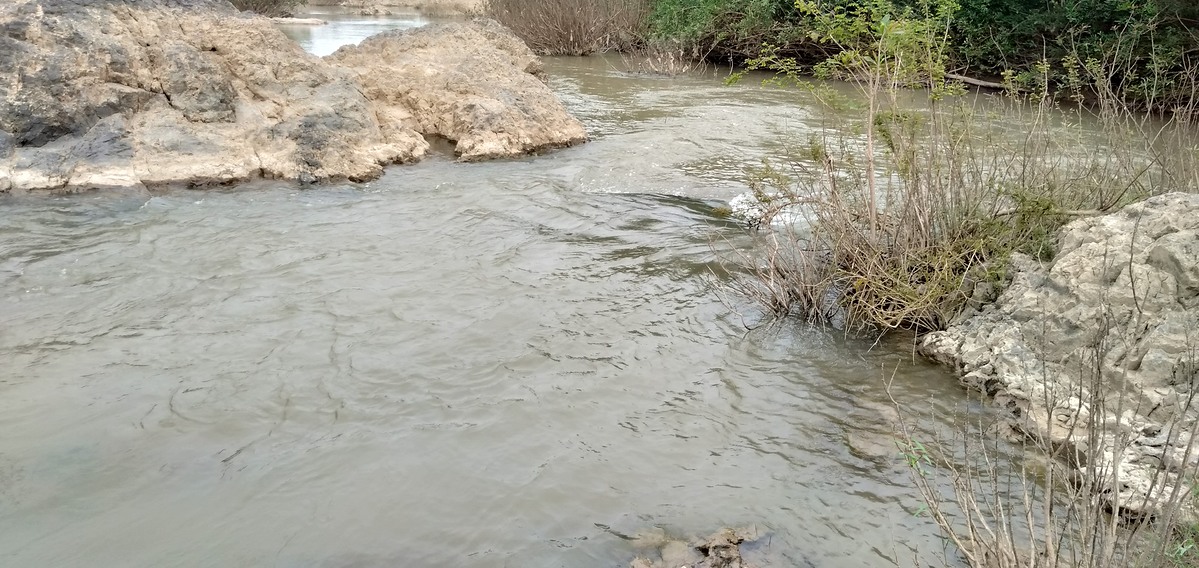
column 906, row 239
column 664, row 57
column 904, row 213
column 572, row 27
column 268, row 7
column 1009, row 498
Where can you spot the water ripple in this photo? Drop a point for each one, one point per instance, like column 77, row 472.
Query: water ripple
column 466, row 365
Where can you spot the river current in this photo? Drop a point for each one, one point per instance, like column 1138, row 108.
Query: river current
column 512, row 363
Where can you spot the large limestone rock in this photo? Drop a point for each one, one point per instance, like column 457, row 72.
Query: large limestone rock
column 476, row 84
column 1096, row 352
column 106, row 93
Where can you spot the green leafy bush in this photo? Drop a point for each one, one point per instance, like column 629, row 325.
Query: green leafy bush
column 730, row 29
column 1144, row 51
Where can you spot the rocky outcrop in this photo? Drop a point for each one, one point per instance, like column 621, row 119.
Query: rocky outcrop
column 151, row 92
column 1096, row 352
column 470, row 83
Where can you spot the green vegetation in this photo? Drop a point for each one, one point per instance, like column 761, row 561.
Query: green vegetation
column 732, row 29
column 1183, row 548
column 572, row 27
column 911, row 209
column 1146, row 50
column 1148, row 41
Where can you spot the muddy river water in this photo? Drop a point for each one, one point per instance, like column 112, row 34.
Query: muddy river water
column 467, row 365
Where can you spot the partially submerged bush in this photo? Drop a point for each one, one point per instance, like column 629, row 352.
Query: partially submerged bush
column 900, row 218
column 663, row 57
column 909, row 210
column 572, row 27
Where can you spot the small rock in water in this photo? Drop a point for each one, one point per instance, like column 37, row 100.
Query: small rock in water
column 872, row 445
column 759, row 209
column 720, row 550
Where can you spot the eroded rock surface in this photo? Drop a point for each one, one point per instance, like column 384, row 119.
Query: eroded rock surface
column 1102, row 341
column 476, row 84
column 108, row 93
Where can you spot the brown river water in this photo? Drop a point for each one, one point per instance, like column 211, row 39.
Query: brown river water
column 468, row 365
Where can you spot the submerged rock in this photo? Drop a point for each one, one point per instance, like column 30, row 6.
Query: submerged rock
column 98, row 94
column 759, row 209
column 874, row 432
column 720, row 550
column 1097, row 349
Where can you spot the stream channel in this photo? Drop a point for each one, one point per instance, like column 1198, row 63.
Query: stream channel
column 511, row 363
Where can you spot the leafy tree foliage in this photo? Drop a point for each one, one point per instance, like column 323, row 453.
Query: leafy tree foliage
column 1147, row 51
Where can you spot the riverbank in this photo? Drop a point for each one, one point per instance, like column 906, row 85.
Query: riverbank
column 1093, row 353
column 1071, row 54
column 1090, row 354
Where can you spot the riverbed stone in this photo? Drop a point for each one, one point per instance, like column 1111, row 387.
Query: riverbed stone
column 151, row 92
column 721, row 549
column 1113, row 316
